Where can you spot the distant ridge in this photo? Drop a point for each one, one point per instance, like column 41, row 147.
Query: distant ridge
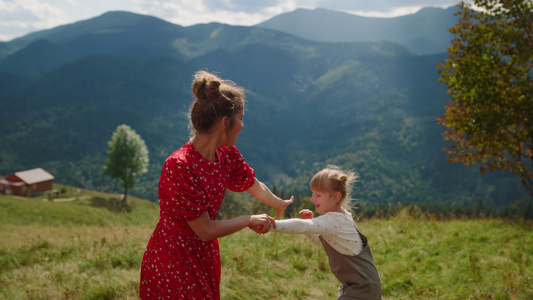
column 424, row 32
column 118, row 21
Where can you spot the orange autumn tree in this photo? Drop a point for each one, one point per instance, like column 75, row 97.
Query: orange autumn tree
column 489, row 77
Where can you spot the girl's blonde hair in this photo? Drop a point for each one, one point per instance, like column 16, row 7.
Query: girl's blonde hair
column 214, row 98
column 333, row 179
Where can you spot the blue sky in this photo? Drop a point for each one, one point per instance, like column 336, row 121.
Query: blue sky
column 19, row 17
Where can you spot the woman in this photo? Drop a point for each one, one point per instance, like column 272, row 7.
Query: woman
column 182, row 259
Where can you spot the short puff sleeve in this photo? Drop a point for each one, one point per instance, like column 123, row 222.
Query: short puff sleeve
column 241, row 175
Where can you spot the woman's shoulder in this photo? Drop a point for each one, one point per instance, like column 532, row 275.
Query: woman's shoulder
column 231, row 154
column 229, row 150
column 182, row 156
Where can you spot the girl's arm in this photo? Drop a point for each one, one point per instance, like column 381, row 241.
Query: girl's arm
column 310, row 227
column 260, row 191
column 208, row 229
column 319, row 225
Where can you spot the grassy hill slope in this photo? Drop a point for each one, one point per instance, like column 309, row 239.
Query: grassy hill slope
column 86, row 245
column 76, row 207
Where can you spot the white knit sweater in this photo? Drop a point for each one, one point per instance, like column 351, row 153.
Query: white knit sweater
column 337, row 228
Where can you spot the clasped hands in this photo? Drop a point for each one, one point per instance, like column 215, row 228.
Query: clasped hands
column 263, row 223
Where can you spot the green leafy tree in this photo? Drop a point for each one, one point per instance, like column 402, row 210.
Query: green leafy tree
column 128, row 157
column 488, row 75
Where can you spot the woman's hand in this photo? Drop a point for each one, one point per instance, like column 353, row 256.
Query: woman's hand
column 306, row 214
column 260, row 191
column 261, row 223
column 282, row 206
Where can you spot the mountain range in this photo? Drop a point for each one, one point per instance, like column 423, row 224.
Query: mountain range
column 423, row 32
column 365, row 105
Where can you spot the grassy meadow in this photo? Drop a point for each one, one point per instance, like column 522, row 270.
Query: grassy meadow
column 88, row 245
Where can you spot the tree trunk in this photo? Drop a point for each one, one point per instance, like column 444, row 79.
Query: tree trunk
column 125, row 196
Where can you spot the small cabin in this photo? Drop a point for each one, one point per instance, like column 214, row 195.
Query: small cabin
column 26, row 183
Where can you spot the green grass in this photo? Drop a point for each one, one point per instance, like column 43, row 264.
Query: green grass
column 417, row 259
column 92, row 249
column 456, row 259
column 77, row 207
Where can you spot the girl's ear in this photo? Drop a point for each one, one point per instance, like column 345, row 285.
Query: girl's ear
column 337, row 196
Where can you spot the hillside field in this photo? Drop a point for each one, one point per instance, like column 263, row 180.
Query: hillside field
column 88, row 245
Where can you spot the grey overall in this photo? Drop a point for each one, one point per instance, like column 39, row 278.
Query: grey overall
column 358, row 275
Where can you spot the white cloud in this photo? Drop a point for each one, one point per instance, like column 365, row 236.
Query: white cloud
column 22, row 16
column 234, row 12
column 18, row 17
column 382, row 6
column 395, row 12
column 251, row 12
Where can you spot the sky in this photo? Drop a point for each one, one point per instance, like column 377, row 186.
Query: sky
column 20, row 17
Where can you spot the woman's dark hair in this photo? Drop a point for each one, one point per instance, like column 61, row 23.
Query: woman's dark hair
column 214, row 98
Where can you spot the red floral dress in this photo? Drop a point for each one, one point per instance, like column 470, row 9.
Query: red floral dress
column 177, row 264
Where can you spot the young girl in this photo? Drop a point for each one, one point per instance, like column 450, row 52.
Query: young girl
column 350, row 258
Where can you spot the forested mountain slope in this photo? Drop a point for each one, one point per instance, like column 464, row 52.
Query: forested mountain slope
column 370, row 106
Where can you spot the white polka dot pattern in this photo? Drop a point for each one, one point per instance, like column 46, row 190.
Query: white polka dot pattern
column 176, row 263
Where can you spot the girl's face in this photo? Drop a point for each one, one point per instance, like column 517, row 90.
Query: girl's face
column 324, row 202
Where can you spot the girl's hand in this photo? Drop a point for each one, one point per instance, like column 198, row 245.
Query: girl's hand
column 261, row 223
column 306, row 214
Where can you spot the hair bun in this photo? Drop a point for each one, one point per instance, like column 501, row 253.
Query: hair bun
column 343, row 179
column 206, row 86
column 214, row 98
column 213, row 89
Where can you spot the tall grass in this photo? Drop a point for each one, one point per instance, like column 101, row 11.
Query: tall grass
column 79, row 250
column 87, row 248
column 416, row 258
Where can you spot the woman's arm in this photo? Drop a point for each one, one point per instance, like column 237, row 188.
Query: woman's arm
column 260, row 191
column 208, row 229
